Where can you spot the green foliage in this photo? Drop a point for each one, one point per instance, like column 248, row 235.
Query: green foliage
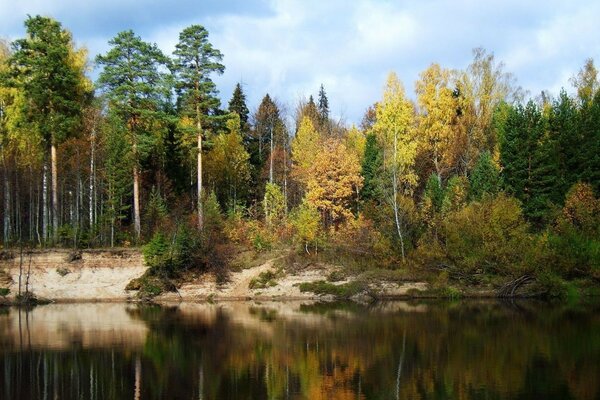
column 155, row 212
column 237, row 105
column 274, row 204
column 491, row 236
column 434, row 192
column 156, row 252
column 485, row 177
column 195, row 59
column 371, row 169
column 264, row 280
column 455, row 195
column 306, row 221
column 342, row 291
column 132, row 78
column 574, row 241
column 4, row 292
column 43, row 66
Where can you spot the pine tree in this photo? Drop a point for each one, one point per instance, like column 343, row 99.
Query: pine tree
column 45, row 67
column 195, row 60
column 136, row 88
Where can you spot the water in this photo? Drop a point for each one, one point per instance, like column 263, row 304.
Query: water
column 465, row 350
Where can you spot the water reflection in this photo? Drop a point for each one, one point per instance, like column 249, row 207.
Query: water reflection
column 281, row 350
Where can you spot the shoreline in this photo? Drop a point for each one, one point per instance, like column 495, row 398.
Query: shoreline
column 64, row 276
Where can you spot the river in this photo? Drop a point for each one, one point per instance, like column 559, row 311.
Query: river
column 302, row 350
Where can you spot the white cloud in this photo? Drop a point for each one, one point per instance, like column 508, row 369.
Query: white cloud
column 289, row 47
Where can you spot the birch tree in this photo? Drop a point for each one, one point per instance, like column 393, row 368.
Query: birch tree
column 395, row 128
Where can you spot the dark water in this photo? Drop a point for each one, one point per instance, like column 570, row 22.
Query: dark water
column 466, row 350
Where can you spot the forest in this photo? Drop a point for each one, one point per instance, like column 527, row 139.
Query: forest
column 465, row 178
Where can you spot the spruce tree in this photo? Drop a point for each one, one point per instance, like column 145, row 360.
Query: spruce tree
column 372, row 167
column 238, row 105
column 485, row 177
column 323, row 107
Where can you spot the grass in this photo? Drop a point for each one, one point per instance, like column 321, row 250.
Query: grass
column 342, row 291
column 264, row 280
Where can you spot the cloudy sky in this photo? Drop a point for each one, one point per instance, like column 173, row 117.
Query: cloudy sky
column 289, row 47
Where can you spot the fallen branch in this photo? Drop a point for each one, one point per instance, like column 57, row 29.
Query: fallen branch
column 510, row 288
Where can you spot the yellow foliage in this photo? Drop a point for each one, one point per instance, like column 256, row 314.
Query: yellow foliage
column 305, row 147
column 437, row 106
column 334, row 180
column 396, row 132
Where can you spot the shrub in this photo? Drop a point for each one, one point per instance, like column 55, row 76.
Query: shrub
column 491, row 235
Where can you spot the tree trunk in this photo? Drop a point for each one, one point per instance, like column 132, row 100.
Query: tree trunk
column 92, row 179
column 6, row 205
column 54, row 172
column 395, row 194
column 199, row 171
column 45, row 202
column 271, row 157
column 136, row 201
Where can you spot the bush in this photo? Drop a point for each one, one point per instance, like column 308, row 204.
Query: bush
column 491, row 235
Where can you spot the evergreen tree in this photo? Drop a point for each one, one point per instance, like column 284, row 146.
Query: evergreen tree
column 485, row 177
column 372, row 167
column 237, row 104
column 270, row 134
column 195, row 60
column 563, row 127
column 46, row 68
column 434, row 192
column 323, row 110
column 589, row 151
column 136, row 88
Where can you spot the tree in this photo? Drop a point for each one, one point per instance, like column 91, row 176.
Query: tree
column 323, row 110
column 227, row 165
column 307, row 223
column 479, row 90
column 528, row 163
column 586, row 82
column 273, row 204
column 50, row 73
column 305, row 148
column 485, row 178
column 135, row 85
column 333, row 179
column 195, row 59
column 269, row 130
column 237, row 104
column 371, row 169
column 437, row 112
column 395, row 129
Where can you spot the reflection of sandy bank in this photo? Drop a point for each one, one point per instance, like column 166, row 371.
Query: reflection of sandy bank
column 262, row 316
column 61, row 326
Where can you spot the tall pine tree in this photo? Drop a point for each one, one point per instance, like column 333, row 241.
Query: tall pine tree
column 136, row 86
column 195, row 61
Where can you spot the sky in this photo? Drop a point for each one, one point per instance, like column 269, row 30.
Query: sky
column 288, row 48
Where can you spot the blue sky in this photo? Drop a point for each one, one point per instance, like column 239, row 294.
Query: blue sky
column 288, row 48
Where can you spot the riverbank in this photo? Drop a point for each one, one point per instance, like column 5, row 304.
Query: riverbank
column 105, row 275
column 63, row 275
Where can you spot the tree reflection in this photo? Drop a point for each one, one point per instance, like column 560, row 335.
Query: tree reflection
column 289, row 351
